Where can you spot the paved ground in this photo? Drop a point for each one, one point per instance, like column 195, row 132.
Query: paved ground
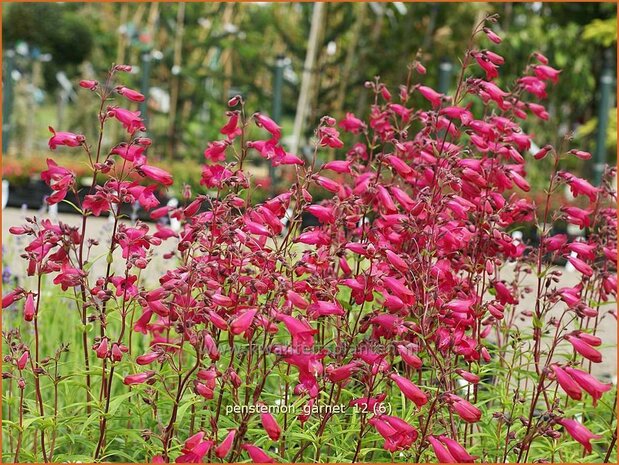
column 100, row 228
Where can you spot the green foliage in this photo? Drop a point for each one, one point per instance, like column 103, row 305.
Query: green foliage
column 52, row 28
column 589, row 129
column 601, row 31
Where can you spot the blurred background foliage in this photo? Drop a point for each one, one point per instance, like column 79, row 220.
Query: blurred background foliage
column 190, row 58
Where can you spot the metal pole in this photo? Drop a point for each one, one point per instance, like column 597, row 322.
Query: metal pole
column 146, row 63
column 606, row 84
column 278, row 84
column 445, row 69
column 7, row 102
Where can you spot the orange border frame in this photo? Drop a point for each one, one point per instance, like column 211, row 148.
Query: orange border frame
column 616, row 2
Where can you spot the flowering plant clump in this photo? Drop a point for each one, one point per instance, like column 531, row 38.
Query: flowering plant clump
column 392, row 331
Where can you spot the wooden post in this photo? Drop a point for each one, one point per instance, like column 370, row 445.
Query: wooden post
column 175, row 80
column 308, row 74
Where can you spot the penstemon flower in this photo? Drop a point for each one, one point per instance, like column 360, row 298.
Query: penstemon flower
column 409, row 287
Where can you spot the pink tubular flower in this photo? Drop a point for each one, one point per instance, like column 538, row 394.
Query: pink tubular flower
column 342, row 373
column 159, row 212
column 487, row 65
column 397, row 433
column 301, row 331
column 270, row 426
column 257, row 229
column 313, row 238
column 468, row 376
column 102, row 348
column 566, row 382
column 581, row 266
column 589, row 338
column 579, row 186
column 541, row 58
column 465, row 410
column 579, row 432
column 396, row 260
column 329, row 184
column 130, row 94
column 547, row 73
column 431, row 95
column 194, row 449
column 339, row 166
column 352, row 124
column 216, row 151
column 130, row 120
column 147, row 358
column 324, row 214
column 138, row 378
column 90, row 85
column 193, row 441
column 410, row 390
column 577, row 216
column 457, row 451
column 409, row 356
column 64, row 138
column 540, row 154
column 145, row 196
column 585, row 349
column 296, row 300
column 539, row 111
column 533, row 85
column 123, row 68
column 463, row 114
column 492, row 36
column 442, row 454
column 581, row 154
column 322, row 308
column 23, row 360
column 157, row 174
column 231, row 128
column 398, row 288
column 69, row 277
column 329, row 137
column 215, row 175
column 12, row 297
column 242, row 322
column 204, row 390
column 583, row 249
column 222, row 449
column 257, row 455
column 405, row 434
column 132, row 153
column 96, row 204
column 268, row 124
column 589, row 383
column 29, row 307
column 399, row 165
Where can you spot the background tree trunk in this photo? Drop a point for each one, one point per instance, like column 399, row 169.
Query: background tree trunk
column 309, row 73
column 175, row 79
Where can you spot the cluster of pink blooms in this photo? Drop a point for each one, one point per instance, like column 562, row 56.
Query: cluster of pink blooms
column 403, row 276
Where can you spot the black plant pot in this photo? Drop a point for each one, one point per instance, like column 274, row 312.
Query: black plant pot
column 33, row 194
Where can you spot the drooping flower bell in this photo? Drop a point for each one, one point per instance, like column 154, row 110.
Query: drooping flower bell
column 67, row 139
